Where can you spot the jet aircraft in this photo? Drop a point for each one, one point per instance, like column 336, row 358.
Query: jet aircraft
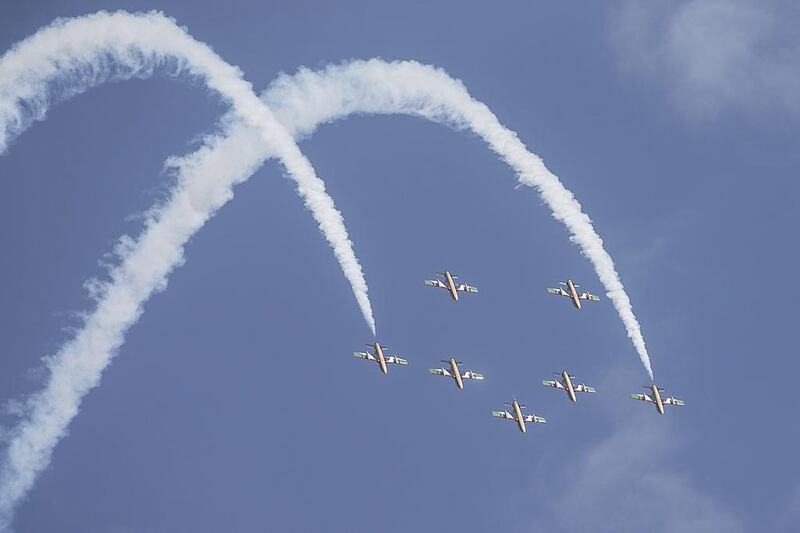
column 450, row 284
column 454, row 372
column 572, row 293
column 657, row 399
column 517, row 415
column 379, row 356
column 566, row 384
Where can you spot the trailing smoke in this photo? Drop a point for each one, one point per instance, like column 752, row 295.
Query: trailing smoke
column 82, row 53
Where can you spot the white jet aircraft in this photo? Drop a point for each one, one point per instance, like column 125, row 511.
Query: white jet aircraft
column 455, row 372
column 379, row 356
column 517, row 415
column 450, row 284
column 657, row 399
column 566, row 385
column 572, row 293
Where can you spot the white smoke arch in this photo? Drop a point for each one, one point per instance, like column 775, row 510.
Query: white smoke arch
column 309, row 98
column 206, row 180
column 82, row 53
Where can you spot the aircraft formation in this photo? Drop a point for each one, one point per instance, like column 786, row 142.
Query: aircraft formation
column 514, row 412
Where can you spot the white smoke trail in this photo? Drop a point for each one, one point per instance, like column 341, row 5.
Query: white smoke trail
column 84, row 52
column 309, row 98
column 206, row 178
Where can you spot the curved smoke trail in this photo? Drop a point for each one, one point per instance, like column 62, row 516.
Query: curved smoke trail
column 309, row 98
column 304, row 101
column 206, row 178
column 82, row 53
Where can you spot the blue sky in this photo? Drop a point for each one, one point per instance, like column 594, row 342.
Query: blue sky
column 235, row 403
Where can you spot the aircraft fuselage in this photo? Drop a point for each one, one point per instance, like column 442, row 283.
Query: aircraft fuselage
column 569, row 386
column 381, row 359
column 657, row 399
column 456, row 373
column 451, row 285
column 573, row 293
column 519, row 417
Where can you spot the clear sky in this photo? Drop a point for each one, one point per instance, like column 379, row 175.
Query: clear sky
column 235, row 403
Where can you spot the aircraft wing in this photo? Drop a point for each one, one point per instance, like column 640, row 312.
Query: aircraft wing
column 440, row 372
column 533, row 419
column 584, row 388
column 466, row 288
column 503, row 414
column 364, row 355
column 590, row 297
column 673, row 401
column 471, row 375
column 552, row 383
column 396, row 360
column 642, row 397
column 435, row 283
column 558, row 291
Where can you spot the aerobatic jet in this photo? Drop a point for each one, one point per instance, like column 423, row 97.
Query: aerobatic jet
column 566, row 384
column 449, row 283
column 517, row 415
column 454, row 372
column 657, row 399
column 379, row 356
column 572, row 293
